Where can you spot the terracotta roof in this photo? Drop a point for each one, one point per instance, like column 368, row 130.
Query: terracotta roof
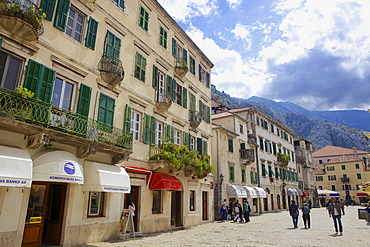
column 221, row 115
column 242, row 109
column 342, row 159
column 335, row 151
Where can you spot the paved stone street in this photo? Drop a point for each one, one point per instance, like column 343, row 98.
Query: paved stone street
column 269, row 229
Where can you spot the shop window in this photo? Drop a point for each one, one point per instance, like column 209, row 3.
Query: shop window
column 96, row 204
column 10, row 68
column 192, row 200
column 157, row 198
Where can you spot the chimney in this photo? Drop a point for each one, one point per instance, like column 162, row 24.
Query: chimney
column 355, row 152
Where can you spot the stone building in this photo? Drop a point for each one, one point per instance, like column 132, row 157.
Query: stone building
column 111, row 81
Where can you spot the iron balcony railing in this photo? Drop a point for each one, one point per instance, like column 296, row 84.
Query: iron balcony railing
column 247, row 154
column 112, row 65
column 24, row 10
column 36, row 112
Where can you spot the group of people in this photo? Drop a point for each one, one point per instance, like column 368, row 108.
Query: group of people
column 236, row 211
column 335, row 210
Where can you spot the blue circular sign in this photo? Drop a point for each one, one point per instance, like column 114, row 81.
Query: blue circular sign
column 69, row 168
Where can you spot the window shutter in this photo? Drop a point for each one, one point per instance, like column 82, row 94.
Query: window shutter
column 168, row 133
column 146, row 134
column 252, row 176
column 208, row 114
column 122, row 4
column 185, row 56
column 61, row 14
column 186, row 138
column 174, row 46
column 155, row 77
column 172, row 133
column 47, row 6
column 169, row 86
column 231, row 145
column 102, row 107
column 31, row 80
column 192, row 102
column 242, row 146
column 208, row 80
column 109, row 41
column 92, row 29
column 116, row 47
column 201, row 112
column 199, row 145
column 143, row 67
column 185, row 97
column 153, row 123
column 200, row 73
column 83, row 105
column 128, row 119
column 46, row 86
column 205, row 147
column 174, row 88
column 106, row 109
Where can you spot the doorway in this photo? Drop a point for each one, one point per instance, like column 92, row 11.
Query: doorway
column 134, row 196
column 278, row 202
column 272, row 202
column 176, row 211
column 45, row 214
column 265, row 204
column 204, row 205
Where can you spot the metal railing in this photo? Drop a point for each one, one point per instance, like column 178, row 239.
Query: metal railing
column 36, row 112
column 181, row 63
column 247, row 154
column 25, row 10
column 111, row 65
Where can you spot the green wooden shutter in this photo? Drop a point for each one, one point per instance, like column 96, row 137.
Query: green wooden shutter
column 200, row 73
column 184, row 97
column 155, row 77
column 61, row 14
column 92, row 29
column 106, row 109
column 242, row 146
column 199, row 145
column 168, row 132
column 112, row 45
column 146, row 134
column 185, row 56
column 172, row 133
column 231, row 145
column 201, row 112
column 46, row 86
column 31, row 80
column 83, row 105
column 205, row 147
column 169, row 86
column 127, row 121
column 174, row 87
column 186, row 138
column 47, row 6
column 208, row 114
column 208, row 80
column 192, row 102
column 153, row 123
column 252, row 176
column 174, row 46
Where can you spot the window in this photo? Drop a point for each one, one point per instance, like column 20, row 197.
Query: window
column 330, row 168
column 244, row 176
column 178, row 94
column 177, row 137
column 332, row 177
column 261, row 143
column 112, row 47
column 271, row 173
column 231, row 173
column 333, row 188
column 358, row 187
column 359, row 176
column 274, row 148
column 75, row 24
column 231, row 145
column 320, row 187
column 96, row 203
column 344, row 175
column 277, row 175
column 357, row 166
column 144, row 19
column 328, row 160
column 158, row 134
column 192, row 200
column 192, row 143
column 62, row 94
column 299, row 169
column 320, row 161
column 346, row 187
column 10, row 68
column 119, row 3
column 163, row 37
column 264, row 172
column 135, row 125
column 140, row 66
column 149, row 128
column 241, row 129
column 272, row 128
column 157, row 198
column 266, row 146
column 192, row 65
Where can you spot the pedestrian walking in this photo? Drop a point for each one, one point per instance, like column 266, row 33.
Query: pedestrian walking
column 224, row 209
column 336, row 213
column 309, row 204
column 247, row 210
column 306, row 216
column 342, row 204
column 294, row 212
column 237, row 212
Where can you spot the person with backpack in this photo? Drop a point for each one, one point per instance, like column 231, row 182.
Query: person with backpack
column 247, row 210
column 306, row 216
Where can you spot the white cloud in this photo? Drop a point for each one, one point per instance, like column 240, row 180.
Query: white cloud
column 184, row 10
column 242, row 32
column 234, row 3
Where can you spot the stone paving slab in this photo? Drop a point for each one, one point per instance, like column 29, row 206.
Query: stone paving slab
column 269, row 229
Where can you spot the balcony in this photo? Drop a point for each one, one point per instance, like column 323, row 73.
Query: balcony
column 181, row 68
column 22, row 18
column 345, row 180
column 42, row 122
column 247, row 156
column 163, row 100
column 111, row 70
column 282, row 159
column 195, row 119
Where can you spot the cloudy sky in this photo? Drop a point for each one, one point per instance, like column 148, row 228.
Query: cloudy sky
column 315, row 53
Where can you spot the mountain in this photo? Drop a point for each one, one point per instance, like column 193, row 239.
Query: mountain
column 322, row 128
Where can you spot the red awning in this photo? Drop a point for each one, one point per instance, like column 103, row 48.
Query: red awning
column 362, row 194
column 159, row 181
column 304, row 194
column 136, row 169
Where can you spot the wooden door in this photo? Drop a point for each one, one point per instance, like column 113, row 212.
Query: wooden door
column 176, row 213
column 204, row 205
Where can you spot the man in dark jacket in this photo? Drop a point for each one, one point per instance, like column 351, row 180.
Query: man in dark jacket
column 336, row 213
column 294, row 212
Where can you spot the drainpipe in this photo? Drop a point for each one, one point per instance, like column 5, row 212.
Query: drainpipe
column 258, row 180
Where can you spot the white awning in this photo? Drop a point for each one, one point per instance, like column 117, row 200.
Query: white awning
column 292, row 192
column 107, row 178
column 251, row 193
column 261, row 193
column 15, row 167
column 57, row 166
column 236, row 191
column 299, row 192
